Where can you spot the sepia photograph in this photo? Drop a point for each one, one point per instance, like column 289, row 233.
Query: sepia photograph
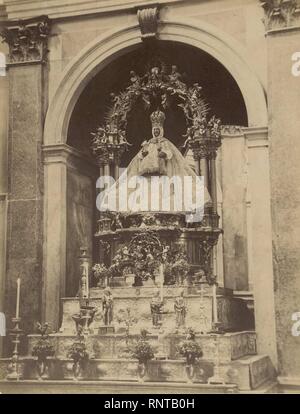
column 149, row 199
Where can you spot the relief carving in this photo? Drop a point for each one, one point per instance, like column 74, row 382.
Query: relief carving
column 279, row 13
column 27, row 40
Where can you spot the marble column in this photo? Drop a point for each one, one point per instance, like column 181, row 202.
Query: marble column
column 260, row 239
column 70, row 177
column 27, row 72
column 55, row 227
column 233, row 153
column 197, row 164
column 204, row 171
column 213, row 182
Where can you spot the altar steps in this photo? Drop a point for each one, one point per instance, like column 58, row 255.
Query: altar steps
column 111, row 388
column 247, row 373
column 231, row 346
column 129, row 387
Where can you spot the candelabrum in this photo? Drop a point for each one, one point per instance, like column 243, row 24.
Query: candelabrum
column 16, row 333
column 84, row 318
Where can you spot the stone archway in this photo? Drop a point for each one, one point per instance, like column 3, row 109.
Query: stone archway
column 107, row 47
column 93, row 58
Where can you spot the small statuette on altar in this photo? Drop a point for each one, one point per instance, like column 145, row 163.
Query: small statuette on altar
column 180, row 311
column 156, row 307
column 107, row 306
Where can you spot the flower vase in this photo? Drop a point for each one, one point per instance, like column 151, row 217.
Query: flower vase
column 190, row 367
column 190, row 372
column 101, row 283
column 77, row 370
column 148, row 283
column 129, row 279
column 142, row 370
column 42, row 369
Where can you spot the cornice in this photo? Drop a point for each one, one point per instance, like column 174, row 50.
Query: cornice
column 254, row 136
column 71, row 157
column 60, row 9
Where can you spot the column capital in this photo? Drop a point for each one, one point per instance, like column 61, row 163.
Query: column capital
column 279, row 13
column 71, row 158
column 27, row 40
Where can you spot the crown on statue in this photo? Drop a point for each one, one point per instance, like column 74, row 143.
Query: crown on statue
column 157, row 119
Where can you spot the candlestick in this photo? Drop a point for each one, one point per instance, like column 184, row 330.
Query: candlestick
column 14, row 368
column 214, row 303
column 86, row 270
column 162, row 280
column 18, row 298
column 85, row 288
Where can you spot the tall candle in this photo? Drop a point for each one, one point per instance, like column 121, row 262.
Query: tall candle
column 18, row 298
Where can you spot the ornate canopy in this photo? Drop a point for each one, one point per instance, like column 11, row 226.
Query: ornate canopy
column 158, row 88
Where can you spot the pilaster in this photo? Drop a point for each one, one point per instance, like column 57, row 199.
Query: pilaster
column 64, row 167
column 283, row 39
column 27, row 42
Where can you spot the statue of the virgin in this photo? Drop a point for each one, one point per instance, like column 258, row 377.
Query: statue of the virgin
column 141, row 188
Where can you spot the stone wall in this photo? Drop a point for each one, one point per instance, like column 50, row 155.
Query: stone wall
column 242, row 26
column 284, row 98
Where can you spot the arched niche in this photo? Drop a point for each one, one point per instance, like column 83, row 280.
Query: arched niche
column 195, row 65
column 225, row 63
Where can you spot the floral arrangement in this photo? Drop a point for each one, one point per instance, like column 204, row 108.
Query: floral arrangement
column 78, row 352
column 142, row 350
column 143, row 255
column 100, row 272
column 43, row 348
column 177, row 265
column 190, row 349
column 146, row 252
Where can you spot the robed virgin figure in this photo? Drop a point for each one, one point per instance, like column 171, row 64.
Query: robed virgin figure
column 157, row 179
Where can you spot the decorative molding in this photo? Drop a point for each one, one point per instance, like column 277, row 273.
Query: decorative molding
column 65, row 8
column 71, row 157
column 148, row 21
column 94, row 57
column 27, row 40
column 257, row 137
column 279, row 13
column 232, row 130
